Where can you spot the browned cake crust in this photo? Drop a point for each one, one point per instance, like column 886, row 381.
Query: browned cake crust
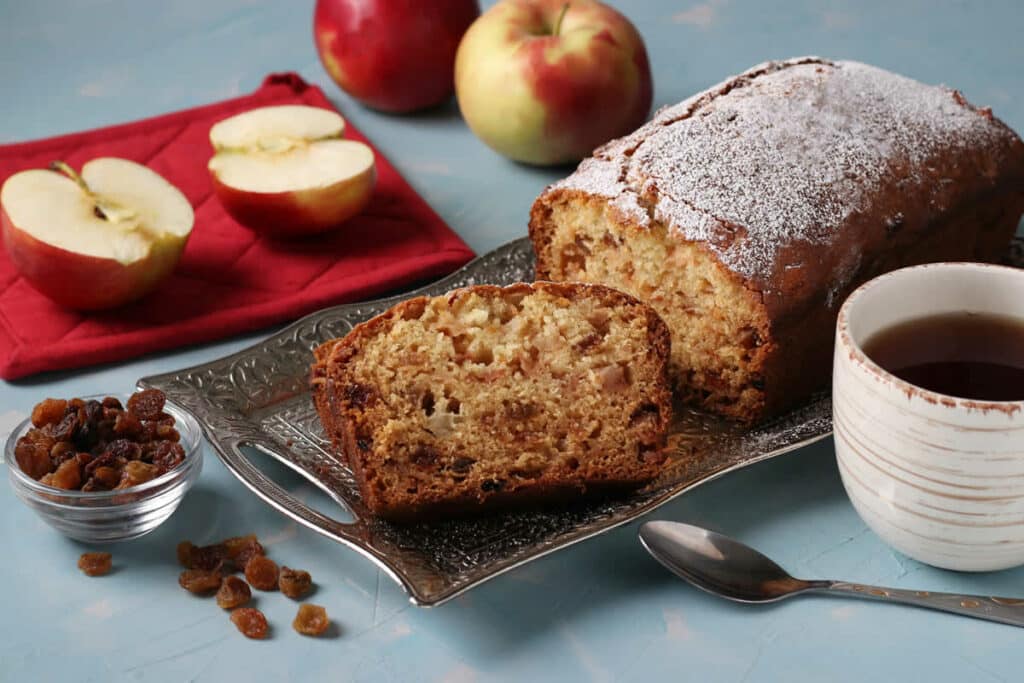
column 746, row 214
column 492, row 396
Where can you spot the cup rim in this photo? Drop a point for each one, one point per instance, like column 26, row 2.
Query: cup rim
column 191, row 439
column 858, row 356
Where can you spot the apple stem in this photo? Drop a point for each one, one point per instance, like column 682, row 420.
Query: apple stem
column 561, row 16
column 107, row 210
column 61, row 167
column 65, row 169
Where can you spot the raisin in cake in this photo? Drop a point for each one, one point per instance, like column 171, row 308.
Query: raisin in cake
column 746, row 214
column 493, row 395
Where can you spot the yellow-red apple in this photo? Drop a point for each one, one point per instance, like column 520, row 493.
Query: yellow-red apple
column 285, row 171
column 97, row 240
column 392, row 55
column 547, row 81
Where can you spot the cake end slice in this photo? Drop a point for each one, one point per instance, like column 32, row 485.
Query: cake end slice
column 488, row 397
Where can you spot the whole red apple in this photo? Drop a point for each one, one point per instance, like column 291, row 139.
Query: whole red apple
column 547, row 81
column 392, row 55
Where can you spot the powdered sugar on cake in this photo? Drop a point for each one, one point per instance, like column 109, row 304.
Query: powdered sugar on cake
column 784, row 153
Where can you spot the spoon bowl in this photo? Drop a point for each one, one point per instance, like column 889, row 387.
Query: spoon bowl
column 725, row 567
column 718, row 564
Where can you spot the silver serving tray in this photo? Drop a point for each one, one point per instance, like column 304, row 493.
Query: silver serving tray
column 259, row 399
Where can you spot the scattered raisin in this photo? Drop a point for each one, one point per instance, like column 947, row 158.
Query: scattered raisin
column 147, row 404
column 184, row 550
column 233, row 593
column 208, row 556
column 311, row 620
column 112, row 402
column 200, row 581
column 261, row 573
column 48, row 411
column 241, row 549
column 294, row 582
column 94, row 564
column 250, row 621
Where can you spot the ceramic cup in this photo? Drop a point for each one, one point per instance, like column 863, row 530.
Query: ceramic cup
column 939, row 478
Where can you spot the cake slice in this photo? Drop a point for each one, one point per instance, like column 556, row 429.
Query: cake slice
column 490, row 396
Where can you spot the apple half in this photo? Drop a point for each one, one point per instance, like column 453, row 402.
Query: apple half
column 285, row 171
column 95, row 240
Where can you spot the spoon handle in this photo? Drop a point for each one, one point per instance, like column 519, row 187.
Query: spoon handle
column 1004, row 610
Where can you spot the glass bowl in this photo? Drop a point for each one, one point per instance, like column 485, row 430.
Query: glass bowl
column 107, row 516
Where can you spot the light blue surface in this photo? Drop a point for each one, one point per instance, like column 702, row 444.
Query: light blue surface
column 600, row 611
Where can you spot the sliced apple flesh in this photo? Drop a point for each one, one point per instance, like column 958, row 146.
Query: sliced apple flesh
column 286, row 171
column 97, row 240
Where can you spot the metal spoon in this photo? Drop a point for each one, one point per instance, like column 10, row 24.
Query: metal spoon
column 725, row 567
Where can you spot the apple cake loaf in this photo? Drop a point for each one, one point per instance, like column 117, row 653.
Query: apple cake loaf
column 746, row 214
column 490, row 396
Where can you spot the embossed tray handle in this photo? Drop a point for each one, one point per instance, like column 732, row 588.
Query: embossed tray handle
column 270, row 492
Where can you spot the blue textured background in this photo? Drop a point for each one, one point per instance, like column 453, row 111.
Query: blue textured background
column 600, row 611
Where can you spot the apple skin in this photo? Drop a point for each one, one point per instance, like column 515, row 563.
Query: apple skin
column 86, row 283
column 301, row 212
column 392, row 55
column 544, row 99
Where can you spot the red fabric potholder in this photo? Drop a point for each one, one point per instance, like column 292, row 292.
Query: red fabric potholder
column 228, row 280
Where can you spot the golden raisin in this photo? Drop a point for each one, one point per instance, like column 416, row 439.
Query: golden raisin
column 49, row 411
column 94, row 564
column 250, row 621
column 294, row 582
column 112, row 403
column 233, row 593
column 102, row 438
column 311, row 620
column 137, row 472
column 68, row 475
column 199, row 581
column 167, row 455
column 32, row 452
column 105, row 478
column 61, row 450
column 167, row 432
column 126, row 424
column 185, row 554
column 147, row 404
column 241, row 549
column 210, row 556
column 261, row 573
